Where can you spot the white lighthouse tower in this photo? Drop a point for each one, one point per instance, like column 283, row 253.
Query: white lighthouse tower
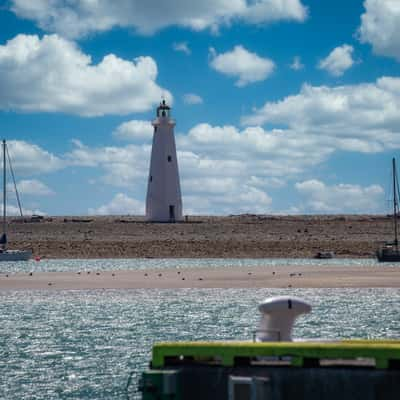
column 164, row 201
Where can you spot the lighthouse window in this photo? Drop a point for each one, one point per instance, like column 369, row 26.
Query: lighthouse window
column 151, row 178
column 169, row 158
column 155, row 129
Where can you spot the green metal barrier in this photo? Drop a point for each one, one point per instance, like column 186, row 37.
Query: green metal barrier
column 225, row 353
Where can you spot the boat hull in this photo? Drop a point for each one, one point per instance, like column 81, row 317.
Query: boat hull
column 325, row 254
column 15, row 255
column 388, row 255
column 345, row 370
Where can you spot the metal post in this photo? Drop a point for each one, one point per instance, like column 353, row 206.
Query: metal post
column 395, row 205
column 4, row 193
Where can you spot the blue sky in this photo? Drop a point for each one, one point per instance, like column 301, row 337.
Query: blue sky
column 282, row 106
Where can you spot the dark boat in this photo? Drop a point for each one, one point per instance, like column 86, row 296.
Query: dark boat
column 390, row 252
column 325, row 254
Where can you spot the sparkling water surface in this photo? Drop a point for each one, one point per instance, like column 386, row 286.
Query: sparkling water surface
column 86, row 344
column 62, row 265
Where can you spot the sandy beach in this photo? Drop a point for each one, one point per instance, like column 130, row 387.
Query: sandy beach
column 255, row 277
column 243, row 236
column 238, row 236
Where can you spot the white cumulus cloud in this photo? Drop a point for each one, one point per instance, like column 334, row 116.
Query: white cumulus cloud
column 237, row 198
column 296, row 64
column 122, row 166
column 225, row 151
column 81, row 17
column 380, row 26
column 362, row 117
column 29, row 159
column 192, row 98
column 338, row 61
column 231, row 171
column 51, row 74
column 341, row 198
column 182, row 47
column 121, row 204
column 240, row 63
column 134, row 130
column 32, row 187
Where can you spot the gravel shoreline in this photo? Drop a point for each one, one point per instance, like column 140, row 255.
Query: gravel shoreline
column 241, row 236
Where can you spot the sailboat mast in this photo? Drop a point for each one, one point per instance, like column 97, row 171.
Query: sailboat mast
column 4, row 192
column 395, row 202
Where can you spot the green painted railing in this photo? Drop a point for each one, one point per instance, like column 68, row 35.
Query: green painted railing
column 224, row 353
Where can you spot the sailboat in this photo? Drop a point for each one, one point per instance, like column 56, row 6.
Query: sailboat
column 390, row 252
column 5, row 253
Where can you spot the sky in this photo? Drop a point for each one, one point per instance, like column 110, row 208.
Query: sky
column 281, row 106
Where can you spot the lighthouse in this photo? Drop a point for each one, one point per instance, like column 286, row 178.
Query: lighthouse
column 164, row 200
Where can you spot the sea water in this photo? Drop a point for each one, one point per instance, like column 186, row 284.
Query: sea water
column 94, row 344
column 151, row 263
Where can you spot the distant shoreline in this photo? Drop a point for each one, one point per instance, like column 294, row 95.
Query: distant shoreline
column 283, row 276
column 239, row 236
